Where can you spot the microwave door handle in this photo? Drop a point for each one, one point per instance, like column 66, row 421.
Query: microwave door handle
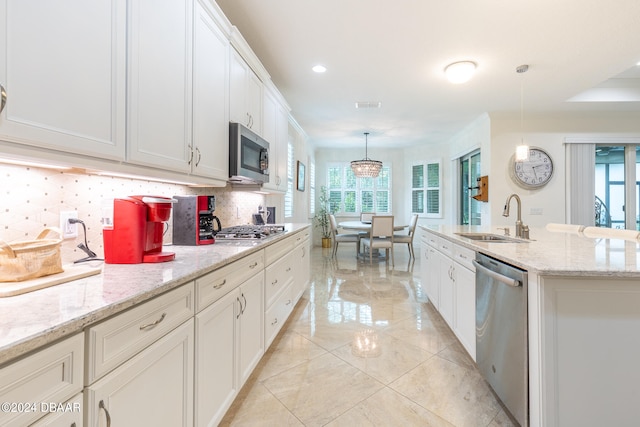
column 264, row 159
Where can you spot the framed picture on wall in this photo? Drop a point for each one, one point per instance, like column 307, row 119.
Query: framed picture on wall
column 300, row 185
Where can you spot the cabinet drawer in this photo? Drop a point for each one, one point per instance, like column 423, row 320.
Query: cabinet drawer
column 68, row 414
column 278, row 250
column 113, row 341
column 277, row 276
column 300, row 237
column 464, row 256
column 431, row 239
column 277, row 314
column 53, row 374
column 212, row 286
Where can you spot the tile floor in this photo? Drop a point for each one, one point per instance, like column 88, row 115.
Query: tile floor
column 312, row 375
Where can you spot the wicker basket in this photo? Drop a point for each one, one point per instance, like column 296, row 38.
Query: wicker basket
column 26, row 260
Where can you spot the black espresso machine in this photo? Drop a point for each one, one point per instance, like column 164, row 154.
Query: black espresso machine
column 193, row 220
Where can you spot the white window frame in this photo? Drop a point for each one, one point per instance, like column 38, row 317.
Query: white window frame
column 426, row 188
column 288, row 197
column 346, row 166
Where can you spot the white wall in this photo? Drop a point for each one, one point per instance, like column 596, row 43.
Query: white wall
column 547, row 132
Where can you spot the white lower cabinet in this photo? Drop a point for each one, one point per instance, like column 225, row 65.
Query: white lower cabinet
column 53, row 374
column 450, row 283
column 430, row 272
column 229, row 344
column 302, row 264
column 154, row 388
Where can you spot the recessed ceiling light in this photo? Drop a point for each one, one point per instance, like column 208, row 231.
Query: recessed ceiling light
column 368, row 104
column 319, row 68
column 460, row 72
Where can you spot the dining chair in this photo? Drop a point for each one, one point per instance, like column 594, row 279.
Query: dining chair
column 366, row 216
column 342, row 237
column 408, row 238
column 381, row 236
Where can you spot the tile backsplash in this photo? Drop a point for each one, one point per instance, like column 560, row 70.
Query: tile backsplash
column 32, row 198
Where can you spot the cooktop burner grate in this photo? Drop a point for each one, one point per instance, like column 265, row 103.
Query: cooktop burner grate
column 248, row 232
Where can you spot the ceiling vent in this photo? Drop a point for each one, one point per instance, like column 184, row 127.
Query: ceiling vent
column 368, row 104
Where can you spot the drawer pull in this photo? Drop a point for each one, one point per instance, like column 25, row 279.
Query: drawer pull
column 220, row 285
column 275, row 321
column 154, row 324
column 106, row 413
column 254, row 265
column 288, row 302
column 274, row 282
column 288, row 269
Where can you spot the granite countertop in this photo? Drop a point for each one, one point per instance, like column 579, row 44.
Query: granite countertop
column 554, row 253
column 37, row 318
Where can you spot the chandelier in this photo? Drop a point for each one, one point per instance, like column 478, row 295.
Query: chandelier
column 366, row 168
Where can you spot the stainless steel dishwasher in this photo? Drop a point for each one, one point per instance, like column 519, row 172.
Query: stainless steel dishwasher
column 501, row 332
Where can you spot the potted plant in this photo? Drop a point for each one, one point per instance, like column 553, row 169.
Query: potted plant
column 321, row 217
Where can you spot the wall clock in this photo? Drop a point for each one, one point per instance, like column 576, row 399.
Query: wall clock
column 534, row 172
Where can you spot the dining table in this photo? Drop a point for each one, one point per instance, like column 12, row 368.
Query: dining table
column 366, row 226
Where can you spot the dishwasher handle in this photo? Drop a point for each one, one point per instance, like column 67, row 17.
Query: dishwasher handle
column 497, row 276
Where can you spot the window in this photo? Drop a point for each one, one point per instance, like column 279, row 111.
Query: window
column 616, row 186
column 426, row 191
column 348, row 194
column 312, row 188
column 288, row 197
column 469, row 174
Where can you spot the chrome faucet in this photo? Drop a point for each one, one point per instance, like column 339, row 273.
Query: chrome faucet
column 522, row 230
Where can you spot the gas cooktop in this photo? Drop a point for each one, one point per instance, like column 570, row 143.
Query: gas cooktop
column 249, row 232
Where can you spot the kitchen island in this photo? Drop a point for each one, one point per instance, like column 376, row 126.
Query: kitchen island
column 583, row 322
column 153, row 326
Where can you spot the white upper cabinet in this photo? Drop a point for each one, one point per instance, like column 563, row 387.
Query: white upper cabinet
column 210, row 96
column 159, row 128
column 245, row 94
column 62, row 65
column 275, row 126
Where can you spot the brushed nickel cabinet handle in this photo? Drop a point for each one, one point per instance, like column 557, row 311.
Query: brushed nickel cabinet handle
column 106, row 412
column 275, row 321
column 241, row 309
column 3, row 94
column 153, row 324
column 254, row 265
column 220, row 285
column 245, row 303
column 199, row 156
column 190, row 154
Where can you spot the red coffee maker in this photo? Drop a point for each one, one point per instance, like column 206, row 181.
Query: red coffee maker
column 135, row 234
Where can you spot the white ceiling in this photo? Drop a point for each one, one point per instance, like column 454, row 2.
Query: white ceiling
column 394, row 52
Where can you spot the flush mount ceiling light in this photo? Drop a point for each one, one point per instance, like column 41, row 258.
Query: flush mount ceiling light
column 319, row 68
column 460, row 72
column 366, row 168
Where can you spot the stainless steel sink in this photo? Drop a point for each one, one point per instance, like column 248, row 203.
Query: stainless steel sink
column 490, row 237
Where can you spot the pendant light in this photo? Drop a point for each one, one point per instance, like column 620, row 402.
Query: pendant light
column 366, row 168
column 522, row 150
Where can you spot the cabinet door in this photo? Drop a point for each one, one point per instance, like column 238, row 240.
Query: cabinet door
column 281, row 148
column 216, row 353
column 62, row 64
column 254, row 101
column 238, row 70
column 447, row 289
column 154, row 388
column 302, row 267
column 431, row 274
column 465, row 280
column 251, row 331
column 210, row 96
column 160, row 84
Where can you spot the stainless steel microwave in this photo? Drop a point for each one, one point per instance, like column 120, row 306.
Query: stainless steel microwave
column 248, row 156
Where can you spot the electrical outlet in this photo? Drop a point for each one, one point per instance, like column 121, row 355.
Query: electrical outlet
column 69, row 231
